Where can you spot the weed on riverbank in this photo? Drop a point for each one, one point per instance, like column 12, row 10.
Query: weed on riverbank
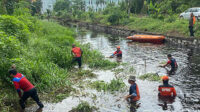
column 150, row 77
column 44, row 58
column 114, row 85
column 84, row 107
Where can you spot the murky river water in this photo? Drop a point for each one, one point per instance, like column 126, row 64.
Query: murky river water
column 145, row 58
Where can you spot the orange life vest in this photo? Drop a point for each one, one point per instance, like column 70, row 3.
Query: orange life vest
column 167, row 90
column 194, row 19
column 77, row 51
column 138, row 94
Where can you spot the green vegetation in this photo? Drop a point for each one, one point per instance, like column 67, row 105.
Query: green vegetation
column 178, row 27
column 9, row 6
column 117, row 71
column 84, row 107
column 144, row 15
column 41, row 51
column 103, row 64
column 162, row 63
column 80, row 74
column 132, row 70
column 96, row 59
column 150, row 77
column 114, row 85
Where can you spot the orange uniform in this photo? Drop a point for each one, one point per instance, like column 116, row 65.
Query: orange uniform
column 134, row 91
column 77, row 51
column 167, row 90
column 194, row 19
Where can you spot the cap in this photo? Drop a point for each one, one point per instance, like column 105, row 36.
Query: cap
column 12, row 71
column 165, row 78
column 118, row 47
column 169, row 55
column 132, row 78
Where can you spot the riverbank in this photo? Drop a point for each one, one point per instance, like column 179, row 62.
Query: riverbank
column 189, row 42
column 41, row 51
column 140, row 58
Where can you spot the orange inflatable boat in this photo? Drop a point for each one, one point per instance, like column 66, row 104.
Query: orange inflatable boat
column 147, row 38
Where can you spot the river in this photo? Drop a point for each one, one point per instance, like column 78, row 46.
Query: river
column 144, row 58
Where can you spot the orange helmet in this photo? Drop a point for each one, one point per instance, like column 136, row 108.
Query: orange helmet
column 165, row 78
column 118, row 47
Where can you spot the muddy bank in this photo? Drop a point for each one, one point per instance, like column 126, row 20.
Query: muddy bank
column 189, row 42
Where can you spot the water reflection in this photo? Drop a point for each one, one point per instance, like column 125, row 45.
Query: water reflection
column 165, row 102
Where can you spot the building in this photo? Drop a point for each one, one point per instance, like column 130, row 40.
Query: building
column 94, row 4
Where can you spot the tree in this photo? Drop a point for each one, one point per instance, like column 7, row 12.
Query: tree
column 9, row 5
column 2, row 7
column 136, row 6
column 36, row 7
column 61, row 5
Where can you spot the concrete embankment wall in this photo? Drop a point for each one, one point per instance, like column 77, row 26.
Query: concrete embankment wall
column 177, row 41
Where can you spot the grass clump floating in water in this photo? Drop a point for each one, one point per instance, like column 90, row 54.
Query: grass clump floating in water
column 117, row 71
column 132, row 70
column 150, row 77
column 114, row 85
column 84, row 107
column 85, row 73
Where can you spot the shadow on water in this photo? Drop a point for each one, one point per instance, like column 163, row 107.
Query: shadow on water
column 144, row 58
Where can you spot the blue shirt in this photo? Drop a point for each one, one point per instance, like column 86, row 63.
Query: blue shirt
column 132, row 90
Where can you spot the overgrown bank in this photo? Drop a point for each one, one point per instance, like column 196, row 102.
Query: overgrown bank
column 41, row 51
column 159, row 19
column 179, row 27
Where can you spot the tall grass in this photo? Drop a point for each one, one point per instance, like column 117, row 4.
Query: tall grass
column 176, row 27
column 171, row 25
column 44, row 58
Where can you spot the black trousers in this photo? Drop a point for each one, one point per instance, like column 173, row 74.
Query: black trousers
column 78, row 60
column 191, row 31
column 33, row 94
column 172, row 71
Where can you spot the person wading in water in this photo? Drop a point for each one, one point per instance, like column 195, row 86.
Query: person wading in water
column 117, row 53
column 134, row 94
column 172, row 63
column 167, row 93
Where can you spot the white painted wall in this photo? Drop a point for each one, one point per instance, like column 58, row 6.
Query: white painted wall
column 48, row 4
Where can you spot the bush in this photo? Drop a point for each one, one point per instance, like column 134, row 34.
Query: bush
column 13, row 27
column 116, row 15
column 30, row 22
column 45, row 58
column 170, row 19
column 9, row 49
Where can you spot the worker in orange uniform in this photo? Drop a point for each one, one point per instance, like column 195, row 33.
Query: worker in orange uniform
column 117, row 53
column 167, row 93
column 22, row 83
column 166, row 89
column 191, row 24
column 77, row 53
column 134, row 94
column 172, row 62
